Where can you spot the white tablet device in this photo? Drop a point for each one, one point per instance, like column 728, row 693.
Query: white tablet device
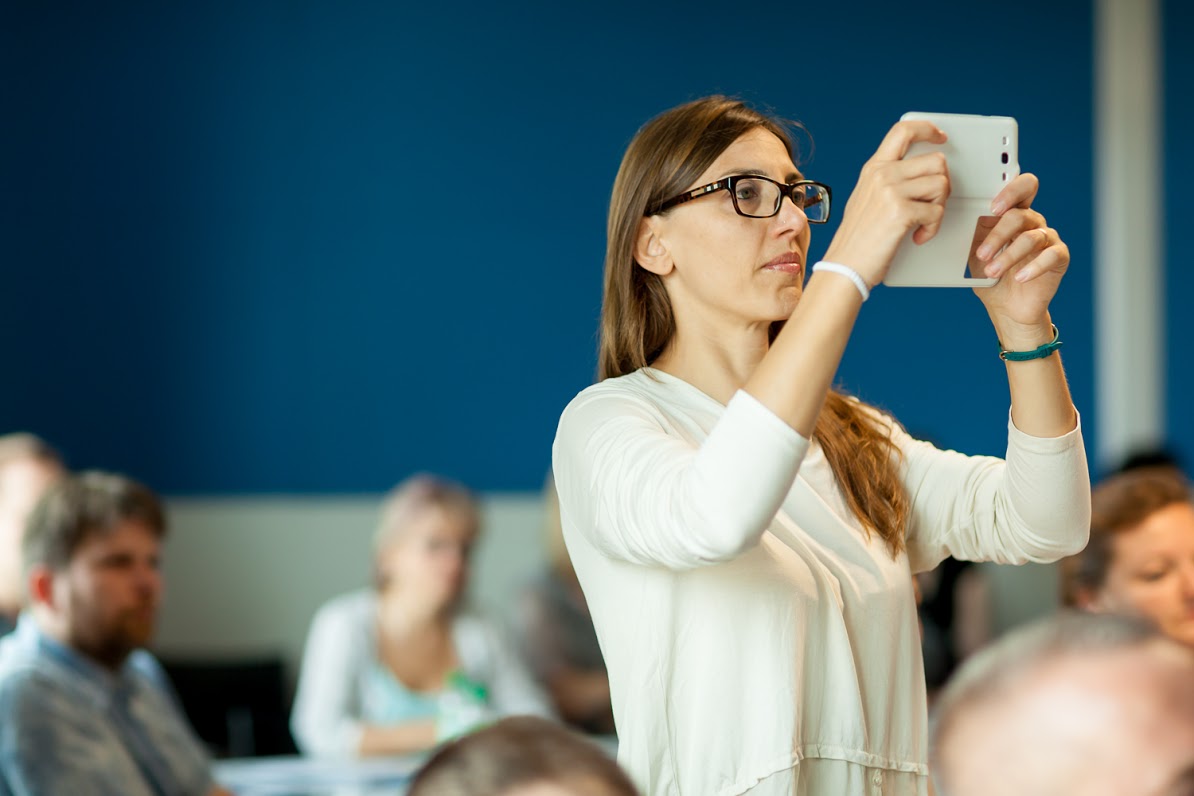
column 982, row 155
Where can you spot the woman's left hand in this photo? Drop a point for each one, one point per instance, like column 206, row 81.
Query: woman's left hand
column 1031, row 266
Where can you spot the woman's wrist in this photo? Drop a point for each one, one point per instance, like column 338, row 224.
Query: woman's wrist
column 845, row 256
column 1019, row 336
column 864, row 290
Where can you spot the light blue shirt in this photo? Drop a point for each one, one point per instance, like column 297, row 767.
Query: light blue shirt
column 388, row 701
column 70, row 726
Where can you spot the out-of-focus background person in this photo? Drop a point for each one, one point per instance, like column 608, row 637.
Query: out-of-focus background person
column 28, row 465
column 1140, row 559
column 84, row 708
column 396, row 668
column 556, row 633
column 522, row 756
column 1098, row 705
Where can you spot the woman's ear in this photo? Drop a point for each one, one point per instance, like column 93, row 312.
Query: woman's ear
column 649, row 249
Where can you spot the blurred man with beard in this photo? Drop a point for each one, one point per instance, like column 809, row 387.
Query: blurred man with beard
column 83, row 708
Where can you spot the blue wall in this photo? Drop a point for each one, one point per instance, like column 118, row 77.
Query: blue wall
column 289, row 246
column 1179, row 177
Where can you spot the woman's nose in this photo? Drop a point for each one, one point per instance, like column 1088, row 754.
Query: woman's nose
column 456, row 560
column 791, row 216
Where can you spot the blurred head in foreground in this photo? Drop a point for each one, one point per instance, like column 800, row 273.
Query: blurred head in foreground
column 1077, row 703
column 522, row 756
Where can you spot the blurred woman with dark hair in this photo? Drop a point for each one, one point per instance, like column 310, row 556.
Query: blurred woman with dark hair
column 1140, row 559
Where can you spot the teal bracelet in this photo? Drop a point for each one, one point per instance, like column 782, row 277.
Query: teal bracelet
column 1040, row 352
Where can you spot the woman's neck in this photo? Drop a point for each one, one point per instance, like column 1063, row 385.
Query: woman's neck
column 403, row 618
column 717, row 360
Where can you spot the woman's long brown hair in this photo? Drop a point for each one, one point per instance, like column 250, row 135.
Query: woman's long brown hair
column 666, row 156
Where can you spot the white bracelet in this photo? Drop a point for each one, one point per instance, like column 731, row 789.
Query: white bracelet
column 846, row 271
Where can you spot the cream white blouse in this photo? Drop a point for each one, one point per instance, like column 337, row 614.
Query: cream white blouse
column 757, row 640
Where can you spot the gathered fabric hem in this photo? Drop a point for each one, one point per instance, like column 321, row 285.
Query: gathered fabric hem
column 823, row 752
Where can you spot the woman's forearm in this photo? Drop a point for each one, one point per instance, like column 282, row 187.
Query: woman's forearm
column 894, row 196
column 397, row 739
column 795, row 375
column 1041, row 402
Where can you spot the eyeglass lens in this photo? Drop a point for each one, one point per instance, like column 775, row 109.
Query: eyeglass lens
column 760, row 198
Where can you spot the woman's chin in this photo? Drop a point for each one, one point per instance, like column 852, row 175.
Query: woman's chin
column 1182, row 632
column 448, row 599
column 787, row 302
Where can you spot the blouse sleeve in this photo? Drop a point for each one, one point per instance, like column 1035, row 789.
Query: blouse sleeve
column 1032, row 506
column 325, row 720
column 644, row 496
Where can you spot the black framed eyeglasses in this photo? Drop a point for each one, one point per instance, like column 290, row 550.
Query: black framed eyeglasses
column 760, row 197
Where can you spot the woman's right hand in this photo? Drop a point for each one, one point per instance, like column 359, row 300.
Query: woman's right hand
column 892, row 197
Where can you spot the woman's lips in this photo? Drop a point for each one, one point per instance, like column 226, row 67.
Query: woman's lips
column 787, row 263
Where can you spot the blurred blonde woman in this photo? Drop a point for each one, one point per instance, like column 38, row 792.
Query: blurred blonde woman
column 397, row 668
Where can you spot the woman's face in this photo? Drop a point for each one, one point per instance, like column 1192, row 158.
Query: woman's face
column 1151, row 572
column 721, row 266
column 430, row 558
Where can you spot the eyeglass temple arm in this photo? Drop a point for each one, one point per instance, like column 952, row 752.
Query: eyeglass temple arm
column 695, row 193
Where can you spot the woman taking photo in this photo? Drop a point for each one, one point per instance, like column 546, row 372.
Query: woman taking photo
column 745, row 536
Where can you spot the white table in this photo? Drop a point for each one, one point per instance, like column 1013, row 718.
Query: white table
column 307, row 776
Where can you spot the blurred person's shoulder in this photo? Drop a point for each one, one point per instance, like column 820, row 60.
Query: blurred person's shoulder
column 33, row 687
column 482, row 641
column 355, row 600
column 353, row 606
column 21, row 655
column 476, row 624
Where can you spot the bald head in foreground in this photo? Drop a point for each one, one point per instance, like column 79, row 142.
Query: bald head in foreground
column 521, row 756
column 1078, row 703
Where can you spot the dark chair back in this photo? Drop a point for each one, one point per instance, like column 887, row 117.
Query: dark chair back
column 239, row 708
